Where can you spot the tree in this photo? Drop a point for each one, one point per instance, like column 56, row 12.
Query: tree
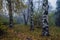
column 25, row 18
column 45, row 25
column 20, row 9
column 10, row 13
column 57, row 14
column 31, row 14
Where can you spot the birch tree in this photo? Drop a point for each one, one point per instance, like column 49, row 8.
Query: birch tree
column 45, row 26
column 31, row 14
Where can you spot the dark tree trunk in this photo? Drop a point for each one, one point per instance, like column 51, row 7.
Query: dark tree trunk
column 45, row 25
column 57, row 14
column 10, row 14
column 25, row 20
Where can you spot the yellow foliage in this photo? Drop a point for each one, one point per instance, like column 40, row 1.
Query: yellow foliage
column 20, row 5
column 0, row 4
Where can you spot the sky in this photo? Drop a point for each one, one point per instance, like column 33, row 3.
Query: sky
column 53, row 3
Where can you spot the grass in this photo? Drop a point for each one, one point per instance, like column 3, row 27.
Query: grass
column 22, row 32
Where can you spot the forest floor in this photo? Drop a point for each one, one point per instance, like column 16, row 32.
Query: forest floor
column 22, row 32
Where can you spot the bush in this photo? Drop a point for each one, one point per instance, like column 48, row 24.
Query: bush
column 51, row 19
column 3, row 29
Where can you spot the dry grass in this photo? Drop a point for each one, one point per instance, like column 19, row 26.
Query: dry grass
column 22, row 32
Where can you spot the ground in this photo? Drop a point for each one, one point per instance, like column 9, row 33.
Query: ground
column 22, row 32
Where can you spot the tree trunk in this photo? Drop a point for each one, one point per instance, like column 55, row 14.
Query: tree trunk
column 45, row 25
column 57, row 14
column 31, row 14
column 25, row 20
column 10, row 14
